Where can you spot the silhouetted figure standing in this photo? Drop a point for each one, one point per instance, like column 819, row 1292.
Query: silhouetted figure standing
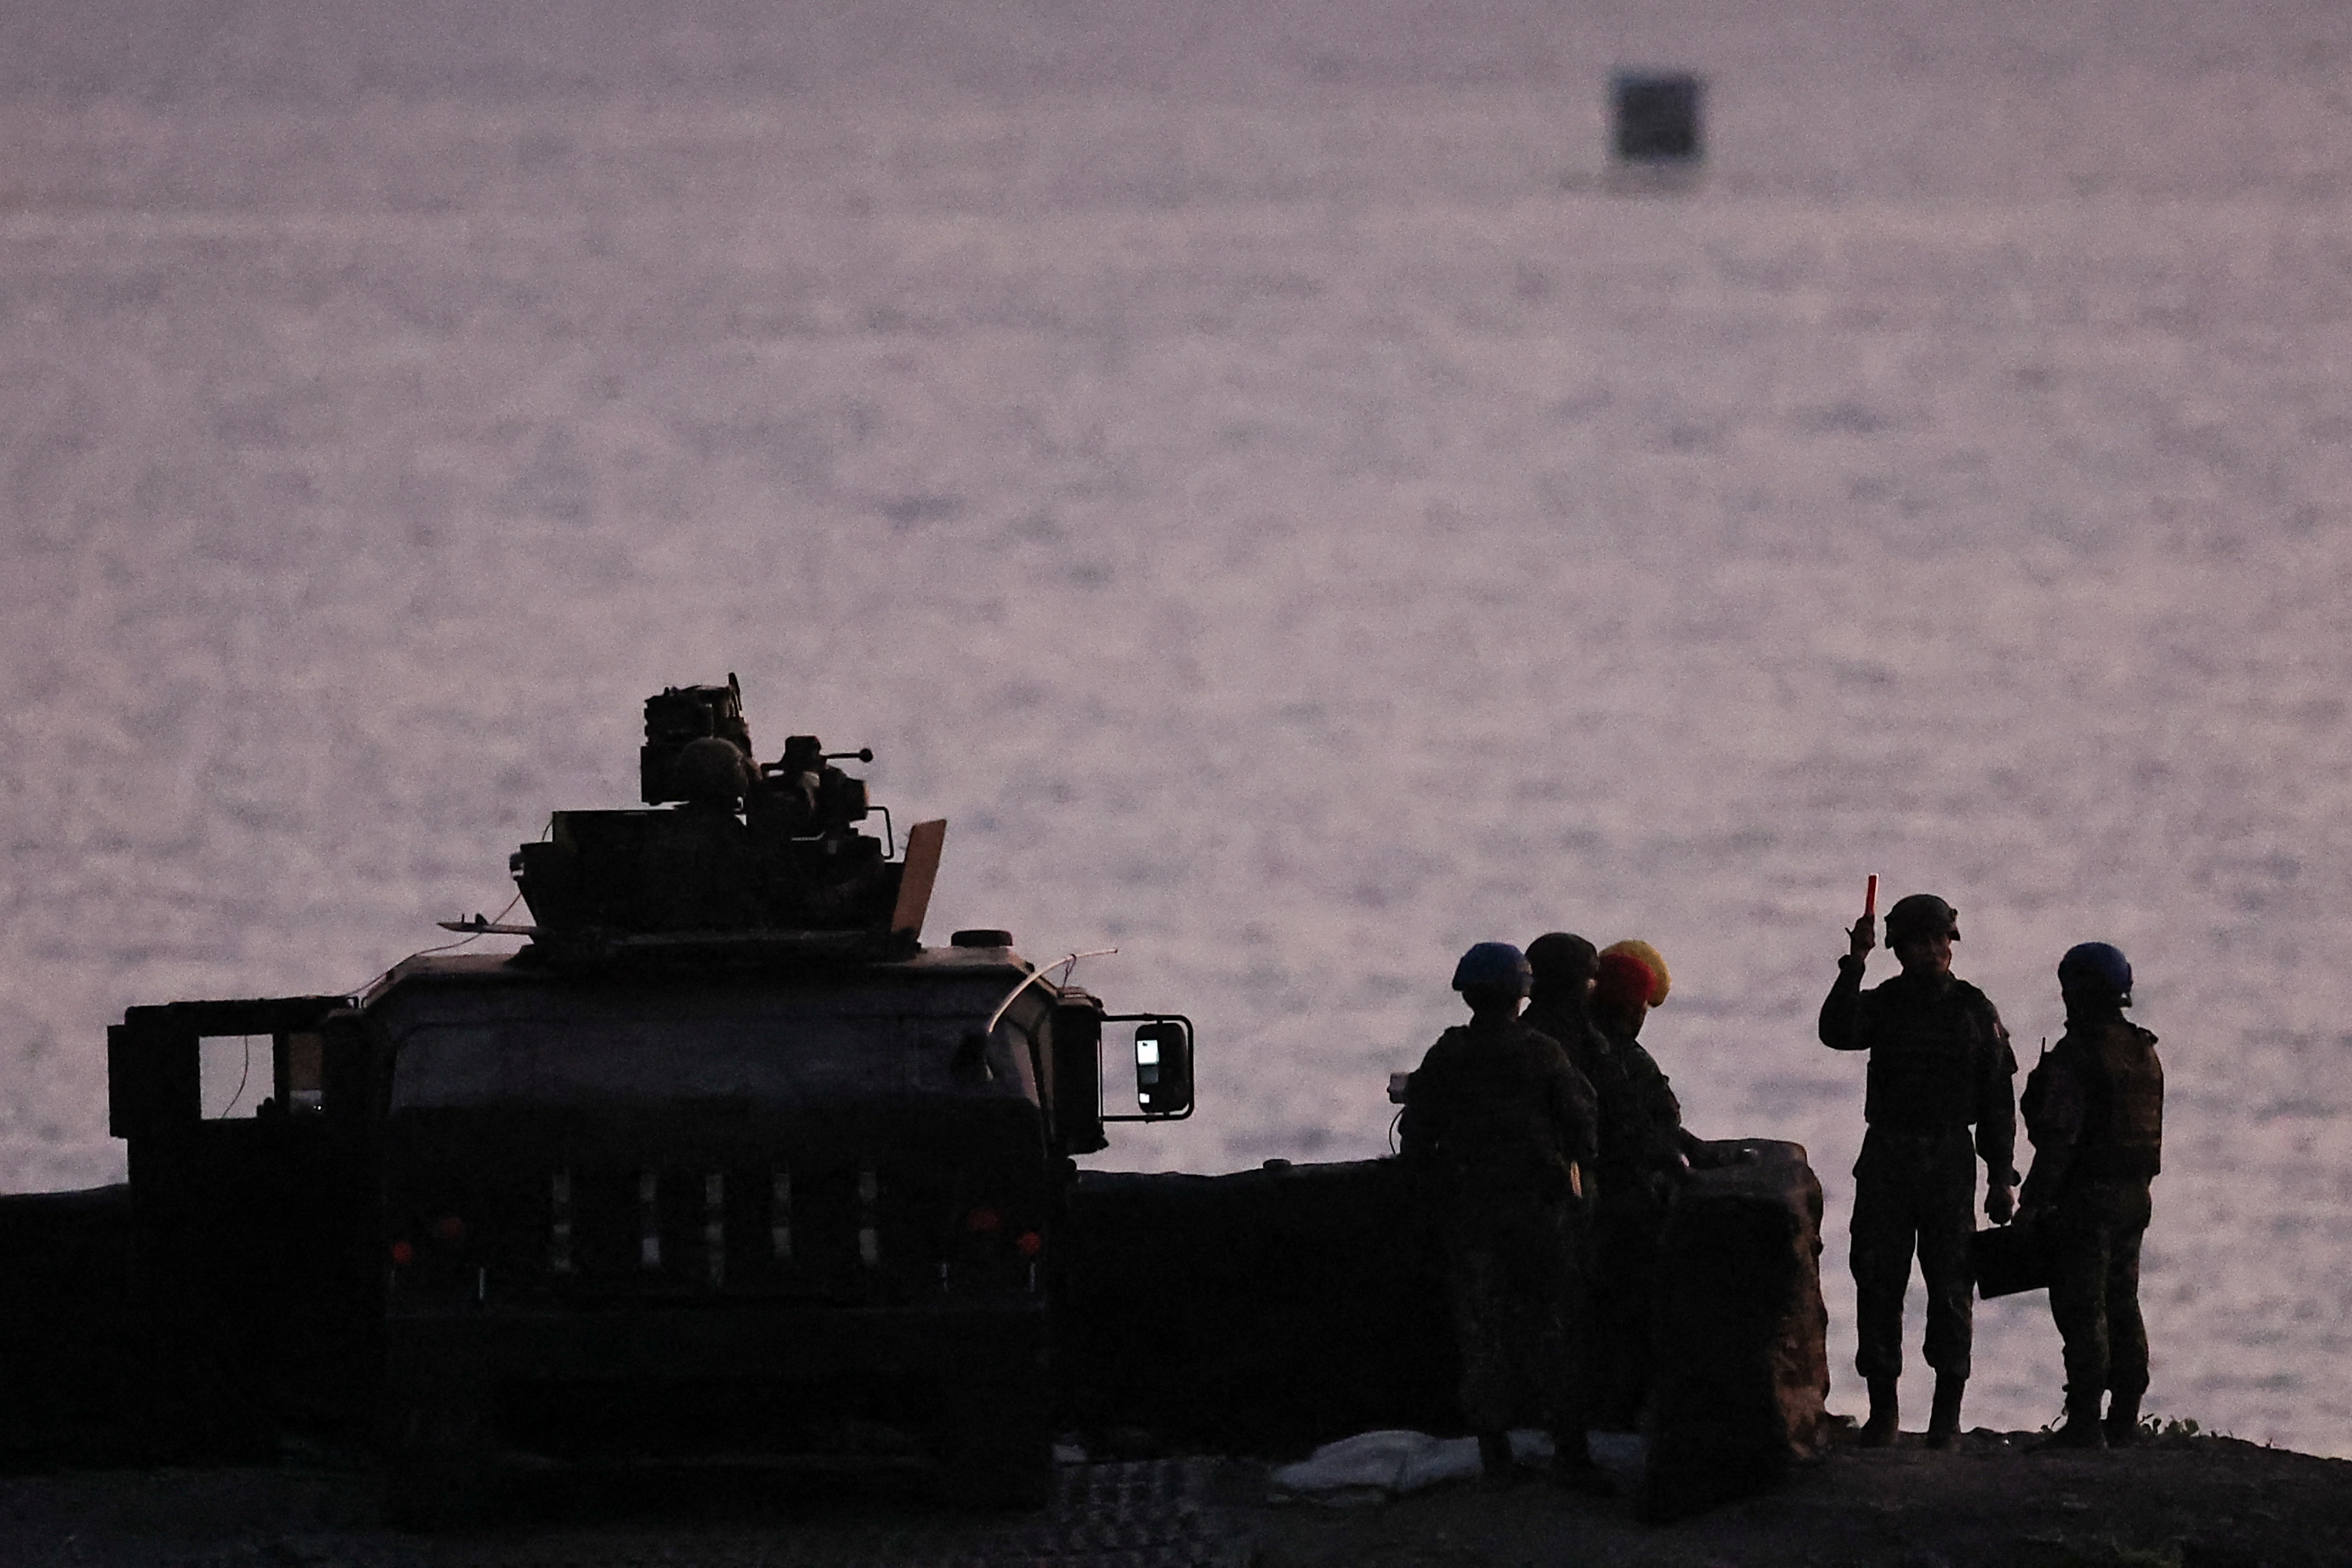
column 1644, row 1154
column 1560, row 994
column 1500, row 1125
column 1940, row 1062
column 2095, row 1110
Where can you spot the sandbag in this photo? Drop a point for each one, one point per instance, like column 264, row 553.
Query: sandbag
column 1373, row 1467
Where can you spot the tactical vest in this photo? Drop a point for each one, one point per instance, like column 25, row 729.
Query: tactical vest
column 2123, row 1125
column 1495, row 1129
column 1638, row 1110
column 1925, row 1057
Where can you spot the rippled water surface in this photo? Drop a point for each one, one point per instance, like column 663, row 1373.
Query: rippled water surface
column 1244, row 467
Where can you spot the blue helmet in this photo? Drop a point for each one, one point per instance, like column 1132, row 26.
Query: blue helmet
column 2096, row 965
column 1494, row 963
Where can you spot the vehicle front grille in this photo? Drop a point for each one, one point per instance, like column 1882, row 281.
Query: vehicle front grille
column 852, row 1229
column 857, row 1233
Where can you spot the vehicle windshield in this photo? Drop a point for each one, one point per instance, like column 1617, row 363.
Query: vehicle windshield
column 764, row 1049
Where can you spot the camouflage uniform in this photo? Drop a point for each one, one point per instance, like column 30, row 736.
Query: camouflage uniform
column 1939, row 1061
column 1566, row 1022
column 1640, row 1137
column 2095, row 1110
column 1498, row 1120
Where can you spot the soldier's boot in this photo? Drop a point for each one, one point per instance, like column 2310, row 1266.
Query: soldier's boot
column 2122, row 1424
column 1944, row 1420
column 1879, row 1431
column 1497, row 1468
column 2082, row 1429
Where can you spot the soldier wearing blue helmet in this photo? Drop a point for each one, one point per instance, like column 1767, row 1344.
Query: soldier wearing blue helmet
column 1500, row 1125
column 2095, row 1110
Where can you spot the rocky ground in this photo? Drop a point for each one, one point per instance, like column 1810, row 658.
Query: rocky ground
column 2180, row 1503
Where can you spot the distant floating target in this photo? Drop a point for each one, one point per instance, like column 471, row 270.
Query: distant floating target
column 1657, row 133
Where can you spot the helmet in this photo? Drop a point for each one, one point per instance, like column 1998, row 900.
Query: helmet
column 1560, row 959
column 1493, row 964
column 711, row 770
column 2097, row 966
column 1921, row 914
column 1642, row 954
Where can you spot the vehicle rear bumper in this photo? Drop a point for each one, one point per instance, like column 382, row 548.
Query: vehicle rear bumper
column 750, row 1341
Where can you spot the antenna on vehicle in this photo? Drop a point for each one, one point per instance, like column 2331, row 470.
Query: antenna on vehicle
column 1068, row 963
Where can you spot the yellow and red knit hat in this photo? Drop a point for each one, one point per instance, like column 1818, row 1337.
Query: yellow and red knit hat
column 1632, row 971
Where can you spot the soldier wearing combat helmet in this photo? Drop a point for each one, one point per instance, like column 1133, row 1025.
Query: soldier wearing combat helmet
column 1499, row 1124
column 1562, row 965
column 1939, row 1063
column 2095, row 1110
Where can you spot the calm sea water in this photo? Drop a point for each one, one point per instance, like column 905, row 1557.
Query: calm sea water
column 1243, row 466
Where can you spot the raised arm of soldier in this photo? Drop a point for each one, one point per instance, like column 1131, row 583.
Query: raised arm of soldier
column 1840, row 1021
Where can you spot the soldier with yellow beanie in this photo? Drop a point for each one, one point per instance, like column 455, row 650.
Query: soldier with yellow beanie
column 1643, row 1152
column 1652, row 970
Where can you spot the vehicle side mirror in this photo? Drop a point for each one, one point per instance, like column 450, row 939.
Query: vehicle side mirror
column 1163, row 1067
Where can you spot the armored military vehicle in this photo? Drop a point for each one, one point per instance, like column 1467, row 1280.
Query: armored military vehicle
column 724, row 1156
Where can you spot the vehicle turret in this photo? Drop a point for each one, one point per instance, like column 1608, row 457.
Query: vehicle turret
column 730, row 853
